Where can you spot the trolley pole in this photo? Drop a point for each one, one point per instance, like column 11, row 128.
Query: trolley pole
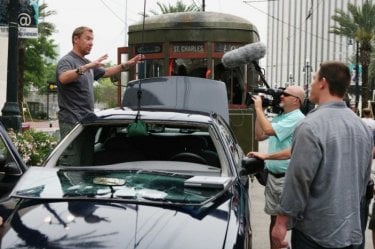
column 11, row 117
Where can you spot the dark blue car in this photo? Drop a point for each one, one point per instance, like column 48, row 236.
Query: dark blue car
column 162, row 171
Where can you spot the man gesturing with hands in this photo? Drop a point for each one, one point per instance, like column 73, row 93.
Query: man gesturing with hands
column 75, row 77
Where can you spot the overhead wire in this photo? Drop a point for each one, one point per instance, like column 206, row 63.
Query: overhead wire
column 113, row 12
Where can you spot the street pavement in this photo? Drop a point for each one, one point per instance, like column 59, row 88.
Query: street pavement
column 51, row 127
column 259, row 220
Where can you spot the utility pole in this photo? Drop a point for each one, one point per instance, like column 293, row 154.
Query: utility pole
column 357, row 76
column 11, row 117
column 307, row 69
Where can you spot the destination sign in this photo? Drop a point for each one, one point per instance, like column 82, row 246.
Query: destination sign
column 225, row 47
column 149, row 49
column 188, row 48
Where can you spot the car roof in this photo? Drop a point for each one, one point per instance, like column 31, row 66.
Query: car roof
column 164, row 115
column 178, row 93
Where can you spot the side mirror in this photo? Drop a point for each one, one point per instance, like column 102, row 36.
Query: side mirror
column 2, row 161
column 12, row 169
column 251, row 165
column 9, row 168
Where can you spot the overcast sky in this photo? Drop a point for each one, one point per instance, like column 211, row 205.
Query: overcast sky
column 108, row 18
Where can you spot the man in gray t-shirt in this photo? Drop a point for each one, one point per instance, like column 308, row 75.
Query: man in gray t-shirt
column 76, row 99
column 75, row 77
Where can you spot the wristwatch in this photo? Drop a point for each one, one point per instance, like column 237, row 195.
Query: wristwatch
column 79, row 71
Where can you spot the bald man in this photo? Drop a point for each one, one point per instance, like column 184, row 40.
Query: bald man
column 280, row 133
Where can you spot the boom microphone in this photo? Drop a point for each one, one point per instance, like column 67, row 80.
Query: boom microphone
column 249, row 53
column 244, row 55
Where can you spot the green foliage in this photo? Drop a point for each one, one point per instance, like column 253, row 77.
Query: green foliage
column 33, row 146
column 179, row 6
column 105, row 92
column 358, row 23
column 39, row 53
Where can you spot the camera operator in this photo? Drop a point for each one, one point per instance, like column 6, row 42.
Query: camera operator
column 280, row 132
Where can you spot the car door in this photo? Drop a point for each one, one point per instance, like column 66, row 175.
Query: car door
column 12, row 166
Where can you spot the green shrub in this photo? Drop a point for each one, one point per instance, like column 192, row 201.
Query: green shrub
column 33, row 146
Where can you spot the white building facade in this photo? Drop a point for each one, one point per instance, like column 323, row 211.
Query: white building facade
column 299, row 39
column 3, row 70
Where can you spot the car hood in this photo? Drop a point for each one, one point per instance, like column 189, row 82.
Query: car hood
column 179, row 93
column 86, row 224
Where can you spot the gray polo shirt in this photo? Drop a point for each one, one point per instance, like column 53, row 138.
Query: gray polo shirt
column 328, row 174
column 76, row 99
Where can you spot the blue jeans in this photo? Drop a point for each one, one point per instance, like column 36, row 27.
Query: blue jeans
column 301, row 241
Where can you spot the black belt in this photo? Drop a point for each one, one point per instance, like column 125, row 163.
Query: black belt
column 277, row 175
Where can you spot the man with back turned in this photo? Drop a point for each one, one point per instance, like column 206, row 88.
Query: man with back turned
column 325, row 186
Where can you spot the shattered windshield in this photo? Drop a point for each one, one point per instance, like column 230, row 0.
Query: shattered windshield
column 134, row 185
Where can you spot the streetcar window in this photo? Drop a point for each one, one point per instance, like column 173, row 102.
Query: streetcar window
column 151, row 68
column 189, row 67
column 233, row 79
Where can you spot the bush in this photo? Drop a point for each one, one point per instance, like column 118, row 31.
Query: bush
column 33, row 146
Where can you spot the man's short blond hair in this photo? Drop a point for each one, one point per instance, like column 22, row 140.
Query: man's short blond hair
column 79, row 31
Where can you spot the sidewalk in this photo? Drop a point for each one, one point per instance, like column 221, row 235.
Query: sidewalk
column 51, row 127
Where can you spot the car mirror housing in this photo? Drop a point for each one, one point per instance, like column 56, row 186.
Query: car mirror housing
column 251, row 165
column 12, row 169
column 2, row 161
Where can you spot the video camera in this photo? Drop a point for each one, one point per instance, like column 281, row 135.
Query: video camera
column 270, row 98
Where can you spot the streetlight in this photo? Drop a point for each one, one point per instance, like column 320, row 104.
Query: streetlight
column 290, row 78
column 307, row 69
column 11, row 117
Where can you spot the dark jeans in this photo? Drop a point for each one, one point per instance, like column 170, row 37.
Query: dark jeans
column 65, row 128
column 301, row 241
column 364, row 217
column 80, row 151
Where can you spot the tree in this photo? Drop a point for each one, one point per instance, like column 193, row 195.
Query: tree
column 104, row 92
column 179, row 6
column 36, row 56
column 358, row 23
column 372, row 71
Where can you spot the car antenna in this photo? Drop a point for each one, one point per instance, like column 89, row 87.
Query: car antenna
column 138, row 127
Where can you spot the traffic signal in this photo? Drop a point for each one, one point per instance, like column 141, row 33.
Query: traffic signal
column 52, row 87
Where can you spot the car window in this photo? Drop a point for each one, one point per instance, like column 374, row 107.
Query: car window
column 229, row 140
column 110, row 144
column 80, row 151
column 7, row 165
column 6, row 157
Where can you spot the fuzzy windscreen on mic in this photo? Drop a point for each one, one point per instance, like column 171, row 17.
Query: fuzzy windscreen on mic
column 244, row 55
